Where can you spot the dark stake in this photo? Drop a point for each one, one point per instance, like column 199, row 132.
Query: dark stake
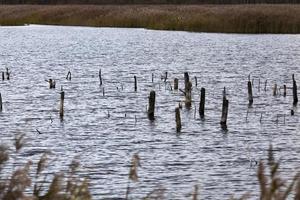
column 186, row 80
column 259, row 84
column 266, row 82
column 51, row 83
column 175, row 83
column 178, row 120
column 188, row 95
column 275, row 90
column 224, row 111
column 166, row 76
column 69, row 76
column 292, row 112
column 202, row 103
column 3, row 77
column 135, row 84
column 0, row 103
column 152, row 79
column 284, row 90
column 295, row 96
column 100, row 77
column 196, row 81
column 61, row 109
column 250, row 95
column 7, row 74
column 151, row 108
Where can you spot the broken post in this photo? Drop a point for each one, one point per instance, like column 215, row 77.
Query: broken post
column 175, row 83
column 61, row 108
column 196, row 81
column 224, row 110
column 275, row 90
column 69, row 76
column 178, row 120
column 3, row 77
column 151, row 107
column 100, row 77
column 0, row 102
column 202, row 103
column 188, row 95
column 250, row 95
column 51, row 83
column 166, row 77
column 7, row 74
column 284, row 90
column 295, row 96
column 135, row 84
column 186, row 80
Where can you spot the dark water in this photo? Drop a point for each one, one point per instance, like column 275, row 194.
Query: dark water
column 221, row 163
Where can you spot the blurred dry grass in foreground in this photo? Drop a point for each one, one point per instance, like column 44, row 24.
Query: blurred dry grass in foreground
column 199, row 18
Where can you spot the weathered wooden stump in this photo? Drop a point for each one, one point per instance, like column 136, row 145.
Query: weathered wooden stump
column 295, row 95
column 100, row 77
column 188, row 95
column 202, row 103
column 69, row 76
column 151, row 107
column 250, row 95
column 61, row 108
column 275, row 90
column 224, row 110
column 186, row 80
column 135, row 83
column 178, row 120
column 1, row 103
column 51, row 83
column 175, row 83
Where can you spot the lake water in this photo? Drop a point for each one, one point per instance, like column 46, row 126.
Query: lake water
column 106, row 131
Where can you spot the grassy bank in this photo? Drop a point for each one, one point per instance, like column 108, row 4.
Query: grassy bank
column 199, row 18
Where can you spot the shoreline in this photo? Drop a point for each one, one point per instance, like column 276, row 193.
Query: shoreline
column 247, row 19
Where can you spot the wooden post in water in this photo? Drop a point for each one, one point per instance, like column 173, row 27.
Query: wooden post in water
column 166, row 77
column 61, row 108
column 284, row 90
column 259, row 85
column 295, row 96
column 7, row 74
column 250, row 95
column 224, row 110
column 175, row 83
column 100, row 77
column 178, row 120
column 266, row 82
column 69, row 76
column 188, row 95
column 3, row 77
column 152, row 78
column 1, row 103
column 135, row 84
column 196, row 81
column 202, row 103
column 186, row 80
column 151, row 107
column 275, row 90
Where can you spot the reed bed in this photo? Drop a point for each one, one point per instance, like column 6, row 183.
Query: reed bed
column 264, row 18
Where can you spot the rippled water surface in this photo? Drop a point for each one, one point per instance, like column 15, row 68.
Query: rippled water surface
column 105, row 131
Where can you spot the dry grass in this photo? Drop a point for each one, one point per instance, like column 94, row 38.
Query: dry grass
column 199, row 18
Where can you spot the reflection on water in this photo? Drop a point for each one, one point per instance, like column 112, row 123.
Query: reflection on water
column 105, row 131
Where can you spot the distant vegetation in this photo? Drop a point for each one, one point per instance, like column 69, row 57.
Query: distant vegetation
column 199, row 18
column 101, row 2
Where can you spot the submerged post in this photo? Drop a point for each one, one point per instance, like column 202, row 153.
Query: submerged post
column 61, row 109
column 3, row 77
column 224, row 110
column 284, row 90
column 100, row 77
column 178, row 120
column 166, row 77
column 250, row 95
column 202, row 103
column 0, row 102
column 7, row 74
column 266, row 82
column 151, row 107
column 275, row 90
column 175, row 83
column 69, row 76
column 188, row 95
column 135, row 84
column 295, row 96
column 152, row 78
column 186, row 80
column 196, row 81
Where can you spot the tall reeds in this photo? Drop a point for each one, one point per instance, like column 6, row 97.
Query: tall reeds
column 264, row 18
